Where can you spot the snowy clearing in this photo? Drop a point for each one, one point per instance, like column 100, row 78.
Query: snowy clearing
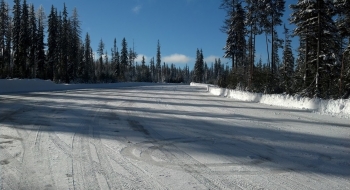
column 154, row 136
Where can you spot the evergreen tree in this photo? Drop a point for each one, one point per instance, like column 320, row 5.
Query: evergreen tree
column 16, row 30
column 131, row 65
column 153, row 70
column 158, row 62
column 287, row 69
column 106, row 68
column 87, row 67
column 123, row 60
column 7, row 51
column 115, row 59
column 235, row 42
column 253, row 22
column 5, row 26
column 272, row 11
column 40, row 46
column 24, row 42
column 52, row 45
column 100, row 51
column 32, row 42
column 144, row 70
column 260, row 80
column 343, row 25
column 74, row 43
column 199, row 67
column 278, row 44
column 320, row 38
column 64, row 46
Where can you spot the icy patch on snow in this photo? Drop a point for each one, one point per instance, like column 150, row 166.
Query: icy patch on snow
column 339, row 107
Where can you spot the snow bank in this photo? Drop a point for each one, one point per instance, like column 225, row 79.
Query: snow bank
column 339, row 107
column 36, row 85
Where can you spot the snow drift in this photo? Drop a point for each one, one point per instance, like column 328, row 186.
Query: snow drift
column 340, row 107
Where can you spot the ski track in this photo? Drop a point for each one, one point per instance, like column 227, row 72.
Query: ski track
column 160, row 137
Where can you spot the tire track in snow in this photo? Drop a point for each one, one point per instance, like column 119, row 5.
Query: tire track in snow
column 295, row 173
column 312, row 178
column 104, row 164
column 184, row 161
column 261, row 159
column 139, row 173
column 30, row 144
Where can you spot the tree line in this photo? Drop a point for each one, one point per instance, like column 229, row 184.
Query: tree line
column 65, row 57
column 321, row 67
column 35, row 46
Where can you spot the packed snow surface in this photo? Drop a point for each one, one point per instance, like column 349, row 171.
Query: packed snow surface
column 161, row 136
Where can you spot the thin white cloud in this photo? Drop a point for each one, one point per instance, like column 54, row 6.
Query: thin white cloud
column 139, row 58
column 211, row 59
column 137, row 9
column 176, row 58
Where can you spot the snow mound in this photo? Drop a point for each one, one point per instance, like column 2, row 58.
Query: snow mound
column 340, row 107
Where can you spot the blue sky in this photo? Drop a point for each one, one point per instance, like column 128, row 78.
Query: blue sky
column 181, row 26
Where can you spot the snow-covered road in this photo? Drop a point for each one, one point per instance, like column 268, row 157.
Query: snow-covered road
column 166, row 137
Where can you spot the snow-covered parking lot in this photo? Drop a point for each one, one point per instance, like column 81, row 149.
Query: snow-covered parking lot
column 154, row 136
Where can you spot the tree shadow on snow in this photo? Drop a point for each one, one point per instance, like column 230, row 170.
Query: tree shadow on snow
column 182, row 120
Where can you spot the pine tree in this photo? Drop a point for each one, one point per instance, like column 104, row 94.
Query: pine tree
column 253, row 23
column 106, row 68
column 87, row 67
column 5, row 26
column 52, row 45
column 235, row 43
column 317, row 30
column 278, row 44
column 100, row 51
column 199, row 67
column 40, row 46
column 287, row 69
column 16, row 30
column 230, row 48
column 260, row 73
column 131, row 65
column 143, row 70
column 158, row 62
column 123, row 60
column 115, row 59
column 7, row 51
column 24, row 42
column 64, row 46
column 75, row 43
column 272, row 11
column 343, row 25
column 153, row 70
column 32, row 42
